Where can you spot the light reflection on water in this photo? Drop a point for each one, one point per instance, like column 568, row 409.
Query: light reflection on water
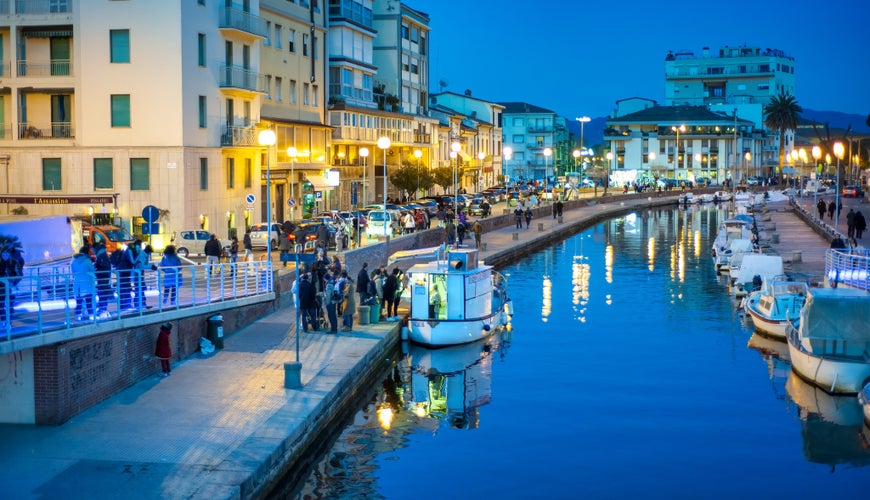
column 627, row 373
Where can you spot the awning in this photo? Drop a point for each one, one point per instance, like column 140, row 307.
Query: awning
column 47, row 34
column 318, row 182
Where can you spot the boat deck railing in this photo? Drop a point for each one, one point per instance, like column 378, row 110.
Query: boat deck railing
column 848, row 267
column 42, row 302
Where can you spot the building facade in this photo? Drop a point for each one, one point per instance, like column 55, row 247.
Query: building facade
column 539, row 142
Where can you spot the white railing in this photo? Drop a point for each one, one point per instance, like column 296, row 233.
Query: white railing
column 43, row 299
column 848, row 267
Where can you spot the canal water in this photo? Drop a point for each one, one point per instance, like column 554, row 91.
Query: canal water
column 628, row 373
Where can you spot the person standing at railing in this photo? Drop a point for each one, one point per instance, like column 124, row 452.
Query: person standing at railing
column 249, row 246
column 84, row 284
column 212, row 254
column 11, row 270
column 103, row 270
column 170, row 264
column 143, row 263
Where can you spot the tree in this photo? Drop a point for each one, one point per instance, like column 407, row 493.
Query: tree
column 443, row 176
column 409, row 178
column 782, row 114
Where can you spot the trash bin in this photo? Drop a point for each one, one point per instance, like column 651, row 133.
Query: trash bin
column 215, row 332
column 364, row 315
column 374, row 313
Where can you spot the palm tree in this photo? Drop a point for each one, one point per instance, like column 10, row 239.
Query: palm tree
column 781, row 114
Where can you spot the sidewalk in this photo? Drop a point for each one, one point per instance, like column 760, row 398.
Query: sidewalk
column 219, row 425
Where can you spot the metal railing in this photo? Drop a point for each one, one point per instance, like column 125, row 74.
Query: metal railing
column 44, row 299
column 242, row 78
column 54, row 130
column 231, row 17
column 43, row 6
column 238, row 136
column 848, row 267
column 55, row 67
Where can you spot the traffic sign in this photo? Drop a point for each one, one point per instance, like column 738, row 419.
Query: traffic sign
column 250, row 198
column 150, row 213
column 292, row 202
column 318, row 195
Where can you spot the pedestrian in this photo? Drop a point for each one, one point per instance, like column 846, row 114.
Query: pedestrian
column 860, row 224
column 84, row 284
column 142, row 264
column 322, row 236
column 528, row 217
column 559, row 207
column 485, row 207
column 308, row 303
column 837, row 243
column 284, row 247
column 12, row 268
column 831, row 207
column 249, row 246
column 461, row 230
column 163, row 351
column 409, row 223
column 450, row 229
column 518, row 216
column 103, row 272
column 170, row 265
column 362, row 283
column 212, row 254
column 390, row 304
column 349, row 305
column 330, row 302
column 124, row 265
column 340, row 291
column 299, row 238
column 477, row 229
column 554, row 211
column 850, row 223
column 822, row 208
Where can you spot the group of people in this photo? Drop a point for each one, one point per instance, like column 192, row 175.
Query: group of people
column 855, row 224
column 520, row 214
column 828, row 208
column 417, row 220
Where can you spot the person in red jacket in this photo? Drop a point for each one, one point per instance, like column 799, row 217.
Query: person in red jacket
column 164, row 349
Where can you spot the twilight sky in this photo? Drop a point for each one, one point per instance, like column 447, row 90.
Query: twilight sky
column 578, row 57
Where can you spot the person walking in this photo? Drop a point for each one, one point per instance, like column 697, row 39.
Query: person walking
column 330, row 302
column 850, row 223
column 249, row 246
column 163, row 351
column 409, row 223
column 518, row 216
column 84, row 284
column 528, row 217
column 170, row 265
column 559, row 208
column 12, row 268
column 234, row 255
column 103, row 273
column 308, row 303
column 349, row 305
column 124, row 265
column 860, row 224
column 390, row 303
column 477, row 229
column 822, row 208
column 831, row 207
column 322, row 236
column 450, row 229
column 212, row 254
column 362, row 283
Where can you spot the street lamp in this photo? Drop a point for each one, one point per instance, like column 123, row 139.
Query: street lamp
column 547, row 153
column 508, row 152
column 267, row 138
column 364, row 153
column 384, row 145
column 454, row 154
column 583, row 121
column 418, row 154
column 292, row 152
column 838, row 151
column 681, row 128
column 748, row 157
column 576, row 155
column 609, row 157
column 817, row 155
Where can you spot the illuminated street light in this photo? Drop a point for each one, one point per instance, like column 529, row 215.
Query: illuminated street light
column 681, row 128
column 418, row 154
column 364, row 153
column 609, row 157
column 455, row 147
column 384, row 145
column 547, row 153
column 267, row 138
column 839, row 150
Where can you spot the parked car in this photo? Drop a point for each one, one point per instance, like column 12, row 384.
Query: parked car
column 260, row 235
column 378, row 225
column 309, row 230
column 852, row 192
column 193, row 242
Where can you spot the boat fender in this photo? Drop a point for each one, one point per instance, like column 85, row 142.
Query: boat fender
column 487, row 328
column 509, row 307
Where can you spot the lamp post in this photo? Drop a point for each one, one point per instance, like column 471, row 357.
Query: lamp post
column 364, row 153
column 838, row 151
column 267, row 138
column 292, row 152
column 817, row 155
column 651, row 157
column 547, row 153
column 607, row 171
column 418, row 154
column 576, row 155
column 748, row 157
column 454, row 154
column 508, row 152
column 384, row 145
column 480, row 156
column 681, row 128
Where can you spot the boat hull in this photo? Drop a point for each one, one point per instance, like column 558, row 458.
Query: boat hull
column 441, row 333
column 832, row 374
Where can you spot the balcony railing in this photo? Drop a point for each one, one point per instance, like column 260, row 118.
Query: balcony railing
column 241, row 78
column 54, row 130
column 43, row 6
column 238, row 136
column 237, row 19
column 353, row 11
column 6, row 131
column 56, row 67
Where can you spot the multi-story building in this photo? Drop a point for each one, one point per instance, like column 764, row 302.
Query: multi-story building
column 683, row 143
column 742, row 78
column 539, row 142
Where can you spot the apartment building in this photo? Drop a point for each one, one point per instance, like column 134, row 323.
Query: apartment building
column 538, row 139
column 734, row 77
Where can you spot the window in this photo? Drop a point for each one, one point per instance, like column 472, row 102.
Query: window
column 518, row 139
column 415, row 34
column 249, row 173
column 277, row 38
column 231, row 173
column 140, row 174
column 278, row 90
column 103, row 173
column 266, row 41
column 305, row 99
column 120, row 110
column 305, row 45
column 764, row 68
column 200, row 50
column 203, row 174
column 119, row 46
column 51, row 178
column 292, row 91
column 405, row 32
column 203, row 115
column 268, row 84
column 314, row 95
column 291, row 40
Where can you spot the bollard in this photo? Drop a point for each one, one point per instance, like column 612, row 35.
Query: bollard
column 796, row 256
column 364, row 314
column 774, row 238
column 540, row 226
column 515, row 236
column 293, row 375
column 771, row 226
column 560, row 219
column 483, row 246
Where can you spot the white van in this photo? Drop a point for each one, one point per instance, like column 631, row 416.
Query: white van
column 376, row 226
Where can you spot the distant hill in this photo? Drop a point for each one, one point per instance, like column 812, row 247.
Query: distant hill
column 836, row 120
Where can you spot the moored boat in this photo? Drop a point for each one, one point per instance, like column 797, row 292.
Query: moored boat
column 752, row 270
column 829, row 342
column 778, row 301
column 454, row 299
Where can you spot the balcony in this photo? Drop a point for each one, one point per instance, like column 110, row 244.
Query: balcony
column 43, row 6
column 53, row 130
column 55, row 67
column 241, row 78
column 238, row 136
column 351, row 11
column 239, row 20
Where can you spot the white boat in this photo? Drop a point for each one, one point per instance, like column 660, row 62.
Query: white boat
column 737, row 227
column 687, row 199
column 722, row 196
column 828, row 344
column 450, row 383
column 778, row 301
column 454, row 299
column 706, row 198
column 753, row 269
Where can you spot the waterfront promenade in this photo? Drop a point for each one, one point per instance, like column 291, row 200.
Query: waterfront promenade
column 219, row 425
